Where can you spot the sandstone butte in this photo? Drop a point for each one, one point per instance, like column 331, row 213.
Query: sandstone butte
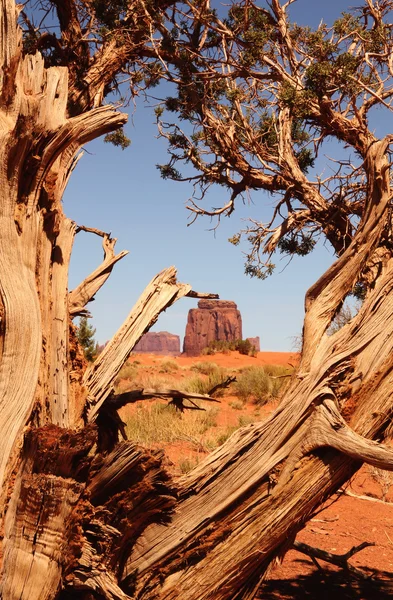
column 159, row 342
column 212, row 320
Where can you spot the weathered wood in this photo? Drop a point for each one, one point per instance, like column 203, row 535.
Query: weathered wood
column 161, row 293
column 86, row 290
column 35, row 542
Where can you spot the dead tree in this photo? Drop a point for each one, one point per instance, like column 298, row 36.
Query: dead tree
column 84, row 516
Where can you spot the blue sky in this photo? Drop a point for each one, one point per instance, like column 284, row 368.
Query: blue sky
column 122, row 192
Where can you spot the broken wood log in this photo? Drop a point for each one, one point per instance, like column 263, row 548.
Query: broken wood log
column 161, row 293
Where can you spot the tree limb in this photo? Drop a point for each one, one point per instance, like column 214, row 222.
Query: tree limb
column 330, row 429
column 86, row 290
column 119, row 400
column 161, row 293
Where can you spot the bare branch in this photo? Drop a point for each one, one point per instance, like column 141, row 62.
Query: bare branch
column 119, row 400
column 86, row 290
column 161, row 293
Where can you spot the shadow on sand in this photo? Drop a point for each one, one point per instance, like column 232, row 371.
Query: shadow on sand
column 329, row 585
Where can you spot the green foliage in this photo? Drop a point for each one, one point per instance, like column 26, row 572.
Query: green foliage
column 85, row 334
column 242, row 346
column 260, row 271
column 110, row 12
column 359, row 291
column 305, row 159
column 297, row 243
column 118, row 138
column 260, row 384
column 169, row 172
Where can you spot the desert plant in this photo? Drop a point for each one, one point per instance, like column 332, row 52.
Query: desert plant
column 168, row 366
column 128, row 372
column 186, row 464
column 236, row 405
column 242, row 346
column 85, row 334
column 203, row 384
column 383, row 478
column 204, row 367
column 159, row 423
column 261, row 384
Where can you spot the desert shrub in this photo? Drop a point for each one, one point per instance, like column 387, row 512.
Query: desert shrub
column 218, row 346
column 202, row 385
column 205, row 367
column 128, row 371
column 152, row 380
column 243, row 346
column 236, row 405
column 226, row 434
column 260, row 384
column 343, row 317
column 187, row 464
column 168, row 366
column 158, row 422
column 383, row 478
column 244, row 420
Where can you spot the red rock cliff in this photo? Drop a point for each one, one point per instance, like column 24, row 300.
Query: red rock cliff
column 212, row 320
column 159, row 342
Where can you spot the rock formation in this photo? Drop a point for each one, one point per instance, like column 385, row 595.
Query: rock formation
column 256, row 342
column 212, row 320
column 159, row 342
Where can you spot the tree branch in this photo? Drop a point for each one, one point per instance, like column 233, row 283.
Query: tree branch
column 177, row 396
column 77, row 130
column 330, row 429
column 161, row 293
column 86, row 290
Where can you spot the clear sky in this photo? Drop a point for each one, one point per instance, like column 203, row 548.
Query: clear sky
column 122, row 192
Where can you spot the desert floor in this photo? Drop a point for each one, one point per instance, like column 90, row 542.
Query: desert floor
column 346, row 521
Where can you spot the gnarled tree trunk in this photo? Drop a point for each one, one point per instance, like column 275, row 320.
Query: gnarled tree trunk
column 85, row 516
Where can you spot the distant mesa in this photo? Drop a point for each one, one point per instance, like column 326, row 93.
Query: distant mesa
column 213, row 320
column 158, row 342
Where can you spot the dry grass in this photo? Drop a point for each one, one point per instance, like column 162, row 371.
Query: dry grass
column 168, row 366
column 261, row 384
column 160, row 423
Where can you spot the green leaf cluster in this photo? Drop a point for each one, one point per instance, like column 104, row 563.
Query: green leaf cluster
column 85, row 334
column 300, row 244
column 118, row 138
